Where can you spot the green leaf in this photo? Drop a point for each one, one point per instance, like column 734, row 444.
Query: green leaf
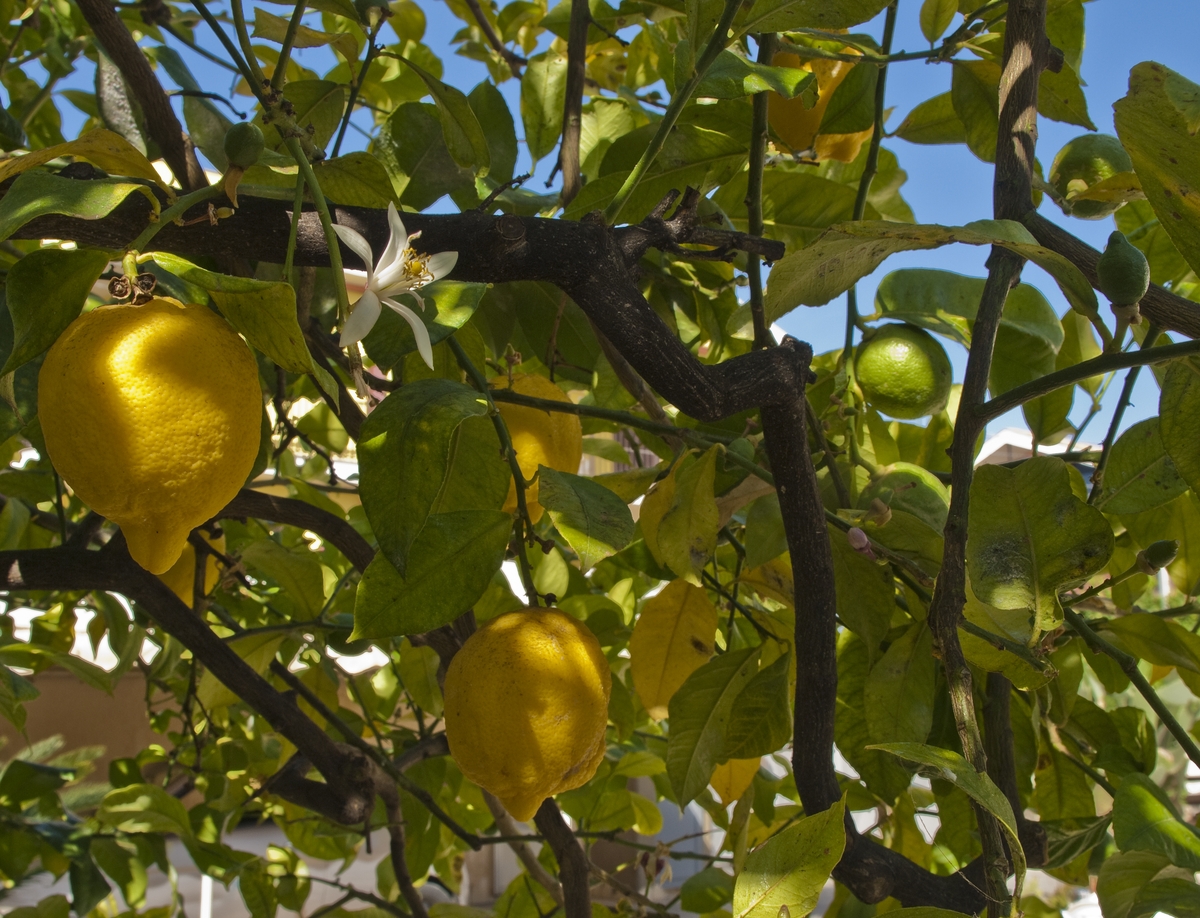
column 1031, row 537
column 404, row 453
column 14, row 690
column 144, row 808
column 297, row 573
column 705, row 150
column 1179, row 418
column 356, row 179
column 449, row 305
column 497, row 123
column 1178, row 519
column 784, row 15
column 936, row 16
column 1122, row 876
column 464, row 137
column 1144, row 819
column 1165, row 155
column 37, row 194
column 797, row 206
column 1140, row 475
column 593, row 520
column 412, row 147
column 319, row 103
column 206, row 124
column 791, row 868
column 852, row 106
column 764, row 719
column 108, row 150
column 274, row 28
column 263, row 311
column 479, row 476
column 731, row 76
column 88, row 886
column 1171, row 895
column 23, row 781
column 946, row 304
column 866, row 599
column 934, row 121
column 899, row 692
column 543, row 89
column 847, row 252
column 46, row 291
column 706, row 891
column 1061, row 98
column 1066, row 842
column 418, row 668
column 950, row 766
column 450, row 564
column 700, row 712
column 975, row 93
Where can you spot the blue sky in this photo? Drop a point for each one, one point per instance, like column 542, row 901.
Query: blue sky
column 946, row 184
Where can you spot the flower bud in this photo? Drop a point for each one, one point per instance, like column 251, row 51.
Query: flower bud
column 1158, row 555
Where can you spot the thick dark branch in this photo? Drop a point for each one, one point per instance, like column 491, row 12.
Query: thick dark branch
column 292, row 512
column 568, row 151
column 113, row 569
column 1162, row 307
column 572, row 861
column 161, row 122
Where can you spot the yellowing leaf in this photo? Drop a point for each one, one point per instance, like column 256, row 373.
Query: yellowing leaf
column 110, row 151
column 680, row 518
column 732, row 779
column 673, row 637
column 773, row 580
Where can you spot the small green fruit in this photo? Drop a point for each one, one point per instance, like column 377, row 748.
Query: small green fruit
column 903, row 371
column 1083, row 162
column 244, row 144
column 1122, row 273
column 911, row 489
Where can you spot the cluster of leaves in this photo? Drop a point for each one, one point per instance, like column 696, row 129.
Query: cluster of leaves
column 692, row 603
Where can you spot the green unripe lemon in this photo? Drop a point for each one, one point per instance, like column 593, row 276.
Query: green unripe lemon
column 244, row 144
column 1122, row 273
column 1083, row 162
column 912, row 489
column 904, row 372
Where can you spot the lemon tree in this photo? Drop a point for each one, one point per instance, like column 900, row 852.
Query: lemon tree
column 432, row 508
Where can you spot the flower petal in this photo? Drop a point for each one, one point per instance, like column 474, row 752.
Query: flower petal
column 420, row 332
column 359, row 246
column 441, row 264
column 362, row 319
column 397, row 241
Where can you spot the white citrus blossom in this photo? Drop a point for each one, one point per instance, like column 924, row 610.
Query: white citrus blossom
column 399, row 270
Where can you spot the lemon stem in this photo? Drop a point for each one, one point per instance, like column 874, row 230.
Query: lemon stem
column 331, row 239
column 173, row 213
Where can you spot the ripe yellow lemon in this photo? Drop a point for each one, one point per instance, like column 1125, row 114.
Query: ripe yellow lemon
column 526, row 707
column 904, row 372
column 181, row 578
column 151, row 414
column 550, row 438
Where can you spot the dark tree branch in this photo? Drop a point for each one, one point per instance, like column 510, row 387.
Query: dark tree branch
column 1026, row 53
column 1002, row 768
column 1160, row 306
column 568, row 151
column 515, row 61
column 161, row 122
column 345, row 791
column 573, row 868
column 292, row 512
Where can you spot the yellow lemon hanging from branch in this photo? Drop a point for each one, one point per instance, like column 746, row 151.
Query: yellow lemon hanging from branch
column 151, row 414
